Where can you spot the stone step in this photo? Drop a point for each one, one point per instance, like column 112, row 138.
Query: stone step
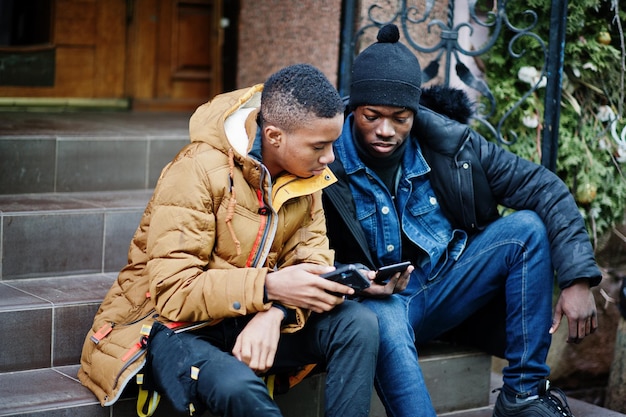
column 55, row 234
column 55, row 391
column 78, row 152
column 44, row 321
column 48, row 318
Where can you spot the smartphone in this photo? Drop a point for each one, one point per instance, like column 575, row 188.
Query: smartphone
column 349, row 275
column 386, row 272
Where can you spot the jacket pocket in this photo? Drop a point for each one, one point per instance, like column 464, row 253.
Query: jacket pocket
column 366, row 215
column 426, row 214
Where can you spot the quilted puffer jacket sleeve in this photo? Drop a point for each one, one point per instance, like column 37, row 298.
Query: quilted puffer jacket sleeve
column 520, row 184
column 185, row 281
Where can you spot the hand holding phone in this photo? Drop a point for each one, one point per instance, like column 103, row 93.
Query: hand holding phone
column 349, row 275
column 386, row 272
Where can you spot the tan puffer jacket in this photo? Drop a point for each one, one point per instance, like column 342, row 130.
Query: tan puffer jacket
column 197, row 255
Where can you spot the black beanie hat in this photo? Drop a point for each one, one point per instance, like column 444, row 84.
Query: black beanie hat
column 386, row 73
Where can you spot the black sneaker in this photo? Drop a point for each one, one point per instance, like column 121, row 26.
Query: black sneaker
column 551, row 402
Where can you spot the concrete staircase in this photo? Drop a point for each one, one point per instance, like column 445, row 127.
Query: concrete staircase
column 72, row 189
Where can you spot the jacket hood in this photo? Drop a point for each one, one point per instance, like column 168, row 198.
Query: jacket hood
column 451, row 102
column 228, row 121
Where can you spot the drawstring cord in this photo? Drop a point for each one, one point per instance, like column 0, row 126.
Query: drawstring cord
column 312, row 211
column 233, row 201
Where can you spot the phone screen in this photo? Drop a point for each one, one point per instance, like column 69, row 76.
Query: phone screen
column 386, row 272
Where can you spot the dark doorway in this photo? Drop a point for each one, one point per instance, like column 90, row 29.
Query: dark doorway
column 229, row 51
column 25, row 22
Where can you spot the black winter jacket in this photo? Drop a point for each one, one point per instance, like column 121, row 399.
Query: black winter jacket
column 471, row 177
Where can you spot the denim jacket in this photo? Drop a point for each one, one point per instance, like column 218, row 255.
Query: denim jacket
column 415, row 203
column 450, row 171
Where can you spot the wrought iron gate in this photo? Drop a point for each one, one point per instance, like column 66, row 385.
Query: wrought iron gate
column 448, row 49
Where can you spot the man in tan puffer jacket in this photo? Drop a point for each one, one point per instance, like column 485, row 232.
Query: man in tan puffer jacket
column 222, row 283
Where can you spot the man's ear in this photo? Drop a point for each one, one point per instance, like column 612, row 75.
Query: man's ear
column 274, row 135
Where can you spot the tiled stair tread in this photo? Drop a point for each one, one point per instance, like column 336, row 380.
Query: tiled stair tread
column 77, row 152
column 12, row 299
column 66, row 202
column 40, row 392
column 29, row 391
column 54, row 291
column 92, row 124
column 43, row 390
column 47, row 319
column 56, row 234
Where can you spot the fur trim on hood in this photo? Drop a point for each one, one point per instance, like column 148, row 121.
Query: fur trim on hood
column 450, row 102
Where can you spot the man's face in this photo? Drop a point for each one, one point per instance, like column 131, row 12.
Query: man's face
column 305, row 151
column 382, row 129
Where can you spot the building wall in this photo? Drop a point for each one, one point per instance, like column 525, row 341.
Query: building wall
column 277, row 33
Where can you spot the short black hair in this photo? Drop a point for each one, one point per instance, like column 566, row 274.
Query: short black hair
column 295, row 92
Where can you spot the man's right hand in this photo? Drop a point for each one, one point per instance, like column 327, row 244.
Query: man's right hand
column 301, row 286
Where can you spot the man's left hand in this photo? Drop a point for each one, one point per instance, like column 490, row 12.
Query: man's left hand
column 577, row 303
column 397, row 283
column 257, row 343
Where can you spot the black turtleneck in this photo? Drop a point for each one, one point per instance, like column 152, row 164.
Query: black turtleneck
column 386, row 168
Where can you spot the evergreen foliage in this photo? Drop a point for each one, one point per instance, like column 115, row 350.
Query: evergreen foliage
column 591, row 154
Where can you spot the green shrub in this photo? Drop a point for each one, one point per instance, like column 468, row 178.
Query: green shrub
column 590, row 158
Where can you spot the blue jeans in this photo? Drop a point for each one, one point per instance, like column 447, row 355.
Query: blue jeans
column 344, row 340
column 511, row 255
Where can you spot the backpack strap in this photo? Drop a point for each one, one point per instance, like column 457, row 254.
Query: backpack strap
column 269, row 382
column 147, row 401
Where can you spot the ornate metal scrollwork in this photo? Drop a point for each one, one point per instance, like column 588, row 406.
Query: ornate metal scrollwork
column 447, row 48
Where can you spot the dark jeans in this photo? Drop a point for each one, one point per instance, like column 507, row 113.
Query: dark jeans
column 345, row 340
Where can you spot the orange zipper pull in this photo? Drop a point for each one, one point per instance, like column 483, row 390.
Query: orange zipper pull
column 102, row 333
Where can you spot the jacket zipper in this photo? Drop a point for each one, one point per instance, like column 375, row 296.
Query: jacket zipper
column 267, row 228
column 138, row 350
column 107, row 327
column 264, row 211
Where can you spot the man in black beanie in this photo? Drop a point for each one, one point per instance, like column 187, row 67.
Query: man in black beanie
column 415, row 185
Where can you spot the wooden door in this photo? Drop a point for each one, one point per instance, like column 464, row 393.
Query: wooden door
column 174, row 53
column 149, row 54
